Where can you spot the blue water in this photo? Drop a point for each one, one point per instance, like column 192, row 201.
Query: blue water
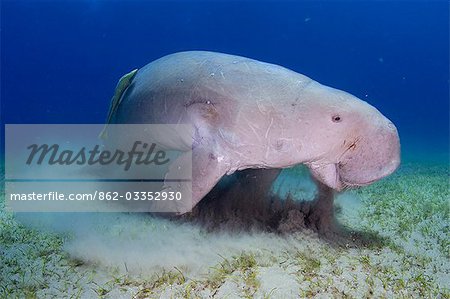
column 60, row 60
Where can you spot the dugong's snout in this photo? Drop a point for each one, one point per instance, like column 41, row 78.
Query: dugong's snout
column 374, row 155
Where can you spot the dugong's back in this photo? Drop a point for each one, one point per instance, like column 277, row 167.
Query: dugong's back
column 175, row 88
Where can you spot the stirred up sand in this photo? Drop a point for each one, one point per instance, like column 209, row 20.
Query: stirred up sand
column 396, row 244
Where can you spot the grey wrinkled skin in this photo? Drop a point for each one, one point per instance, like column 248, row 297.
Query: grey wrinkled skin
column 250, row 114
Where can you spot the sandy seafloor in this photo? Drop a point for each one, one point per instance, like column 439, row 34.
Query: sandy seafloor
column 404, row 220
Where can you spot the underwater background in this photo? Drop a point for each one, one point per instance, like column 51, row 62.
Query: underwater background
column 61, row 60
column 60, row 63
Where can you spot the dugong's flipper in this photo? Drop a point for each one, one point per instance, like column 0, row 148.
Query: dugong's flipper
column 121, row 86
column 206, row 172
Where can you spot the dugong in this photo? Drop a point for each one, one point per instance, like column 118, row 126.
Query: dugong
column 248, row 114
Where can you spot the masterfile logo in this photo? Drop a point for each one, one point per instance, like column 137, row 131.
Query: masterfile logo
column 70, row 168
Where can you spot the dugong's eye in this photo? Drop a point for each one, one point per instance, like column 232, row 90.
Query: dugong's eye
column 336, row 118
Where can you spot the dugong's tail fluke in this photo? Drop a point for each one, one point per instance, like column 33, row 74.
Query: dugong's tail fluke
column 122, row 85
